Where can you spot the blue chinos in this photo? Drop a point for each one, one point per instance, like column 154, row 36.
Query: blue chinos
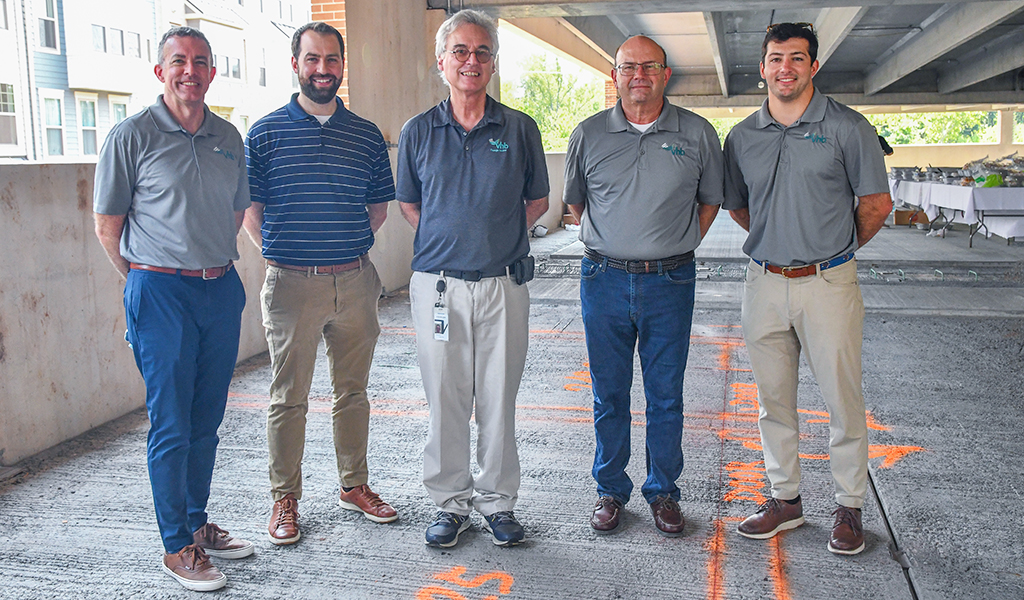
column 620, row 309
column 184, row 333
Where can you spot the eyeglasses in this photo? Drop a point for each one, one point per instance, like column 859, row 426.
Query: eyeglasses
column 462, row 55
column 801, row 25
column 650, row 68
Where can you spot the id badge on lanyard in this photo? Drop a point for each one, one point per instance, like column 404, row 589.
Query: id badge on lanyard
column 440, row 314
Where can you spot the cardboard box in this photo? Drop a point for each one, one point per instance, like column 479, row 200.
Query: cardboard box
column 909, row 217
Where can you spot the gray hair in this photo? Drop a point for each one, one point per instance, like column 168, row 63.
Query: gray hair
column 465, row 17
column 182, row 32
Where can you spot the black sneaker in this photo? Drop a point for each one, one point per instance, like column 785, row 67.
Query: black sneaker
column 444, row 531
column 505, row 528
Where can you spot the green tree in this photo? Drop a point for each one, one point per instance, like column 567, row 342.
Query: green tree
column 938, row 128
column 557, row 101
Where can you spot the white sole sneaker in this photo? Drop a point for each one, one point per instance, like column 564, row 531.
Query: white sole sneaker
column 284, row 541
column 197, row 586
column 374, row 518
column 234, row 553
column 791, row 524
column 857, row 550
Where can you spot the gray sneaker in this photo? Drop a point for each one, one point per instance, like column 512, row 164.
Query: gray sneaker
column 444, row 531
column 772, row 517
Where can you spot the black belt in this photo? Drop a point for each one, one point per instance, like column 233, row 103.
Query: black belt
column 642, row 266
column 471, row 275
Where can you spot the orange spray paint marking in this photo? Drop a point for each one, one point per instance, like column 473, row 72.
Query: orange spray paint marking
column 892, row 454
column 777, row 569
column 716, row 559
column 455, row 576
column 746, row 479
column 432, row 592
column 582, row 376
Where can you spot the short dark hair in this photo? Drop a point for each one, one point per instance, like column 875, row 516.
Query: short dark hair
column 780, row 32
column 181, row 32
column 316, row 27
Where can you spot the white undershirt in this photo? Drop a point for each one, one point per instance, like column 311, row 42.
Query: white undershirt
column 641, row 128
column 322, row 118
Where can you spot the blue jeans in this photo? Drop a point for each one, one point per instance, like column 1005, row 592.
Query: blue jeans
column 619, row 309
column 184, row 333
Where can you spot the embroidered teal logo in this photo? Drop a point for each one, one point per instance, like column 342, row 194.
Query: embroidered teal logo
column 225, row 153
column 675, row 149
column 498, row 145
column 817, row 139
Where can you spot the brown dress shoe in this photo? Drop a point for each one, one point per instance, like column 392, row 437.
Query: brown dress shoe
column 363, row 499
column 284, row 521
column 606, row 515
column 216, row 542
column 667, row 516
column 192, row 568
column 772, row 517
column 847, row 534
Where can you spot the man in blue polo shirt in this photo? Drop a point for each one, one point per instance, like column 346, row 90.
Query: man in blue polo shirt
column 805, row 176
column 471, row 180
column 320, row 180
column 169, row 197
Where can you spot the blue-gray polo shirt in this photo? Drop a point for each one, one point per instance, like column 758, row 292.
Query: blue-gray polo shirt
column 471, row 186
column 800, row 182
column 179, row 191
column 315, row 182
column 642, row 190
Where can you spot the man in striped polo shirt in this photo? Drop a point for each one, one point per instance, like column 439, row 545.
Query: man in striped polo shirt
column 320, row 180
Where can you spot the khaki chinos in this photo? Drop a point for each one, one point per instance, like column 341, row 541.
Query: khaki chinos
column 298, row 309
column 823, row 315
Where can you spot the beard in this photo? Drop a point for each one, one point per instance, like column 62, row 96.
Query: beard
column 319, row 95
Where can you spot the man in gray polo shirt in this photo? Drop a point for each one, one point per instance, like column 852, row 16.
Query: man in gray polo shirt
column 805, row 176
column 471, row 179
column 169, row 196
column 644, row 179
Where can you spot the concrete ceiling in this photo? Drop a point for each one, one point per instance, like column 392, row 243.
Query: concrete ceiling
column 876, row 53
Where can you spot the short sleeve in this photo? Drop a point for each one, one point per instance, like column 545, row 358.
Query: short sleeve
column 536, row 185
column 116, row 173
column 575, row 190
column 736, row 192
column 863, row 158
column 382, row 183
column 710, row 190
column 408, row 186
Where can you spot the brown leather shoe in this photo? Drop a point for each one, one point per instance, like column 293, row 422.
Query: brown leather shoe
column 284, row 521
column 216, row 542
column 847, row 534
column 606, row 515
column 192, row 568
column 772, row 517
column 363, row 499
column 667, row 516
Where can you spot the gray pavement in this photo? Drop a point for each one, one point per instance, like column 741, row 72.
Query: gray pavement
column 943, row 374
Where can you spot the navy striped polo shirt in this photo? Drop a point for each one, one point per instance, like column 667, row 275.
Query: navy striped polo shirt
column 315, row 182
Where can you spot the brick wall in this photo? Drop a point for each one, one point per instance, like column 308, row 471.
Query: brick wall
column 611, row 95
column 333, row 13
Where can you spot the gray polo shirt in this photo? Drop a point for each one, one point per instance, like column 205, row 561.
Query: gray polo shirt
column 180, row 191
column 642, row 189
column 800, row 182
column 471, row 186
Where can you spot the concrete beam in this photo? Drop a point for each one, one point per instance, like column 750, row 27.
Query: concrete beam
column 719, row 51
column 959, row 24
column 600, row 31
column 1001, row 55
column 832, row 27
column 900, row 99
column 560, row 37
column 511, row 9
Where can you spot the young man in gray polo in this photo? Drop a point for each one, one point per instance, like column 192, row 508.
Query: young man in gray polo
column 806, row 177
column 644, row 179
column 471, row 180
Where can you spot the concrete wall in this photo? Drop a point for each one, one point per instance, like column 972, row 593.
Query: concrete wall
column 64, row 365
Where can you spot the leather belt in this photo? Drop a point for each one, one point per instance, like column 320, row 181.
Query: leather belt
column 211, row 273
column 471, row 275
column 805, row 270
column 320, row 270
column 641, row 266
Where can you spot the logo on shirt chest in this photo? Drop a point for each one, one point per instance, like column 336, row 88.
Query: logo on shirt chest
column 225, row 153
column 675, row 149
column 497, row 145
column 815, row 138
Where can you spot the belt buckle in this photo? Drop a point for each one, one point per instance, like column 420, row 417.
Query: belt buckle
column 205, row 278
column 787, row 270
column 316, row 271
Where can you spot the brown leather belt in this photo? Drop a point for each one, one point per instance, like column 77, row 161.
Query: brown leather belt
column 211, row 273
column 320, row 270
column 805, row 270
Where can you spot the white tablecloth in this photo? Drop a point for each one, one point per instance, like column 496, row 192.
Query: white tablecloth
column 973, row 203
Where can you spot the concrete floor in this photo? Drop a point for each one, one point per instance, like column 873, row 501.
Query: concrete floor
column 943, row 378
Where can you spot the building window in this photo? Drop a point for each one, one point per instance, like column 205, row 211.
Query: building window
column 99, row 38
column 115, row 41
column 280, row 9
column 3, row 15
column 48, row 25
column 263, row 67
column 291, row 12
column 132, row 45
column 53, row 113
column 118, row 109
column 236, row 68
column 8, row 119
column 87, row 124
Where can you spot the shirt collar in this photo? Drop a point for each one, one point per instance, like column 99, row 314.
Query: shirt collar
column 814, row 113
column 668, row 120
column 297, row 113
column 166, row 122
column 442, row 114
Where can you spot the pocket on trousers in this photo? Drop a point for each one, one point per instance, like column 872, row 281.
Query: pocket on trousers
column 843, row 275
column 685, row 275
column 589, row 269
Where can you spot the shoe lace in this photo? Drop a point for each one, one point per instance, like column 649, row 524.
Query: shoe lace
column 372, row 498
column 213, row 532
column 503, row 517
column 448, row 518
column 193, row 556
column 770, row 505
column 847, row 516
column 289, row 512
